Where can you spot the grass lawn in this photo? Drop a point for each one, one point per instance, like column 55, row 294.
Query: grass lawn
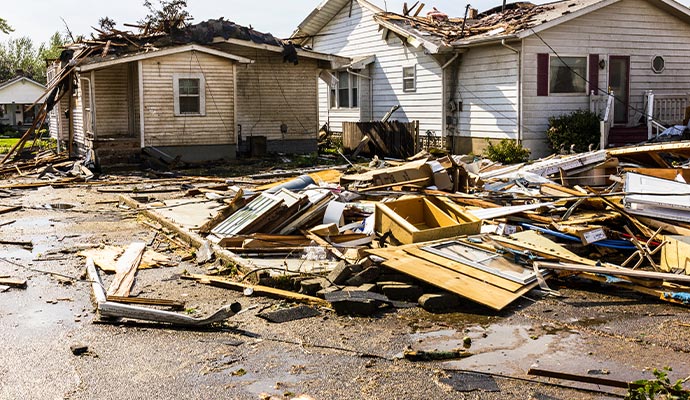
column 7, row 143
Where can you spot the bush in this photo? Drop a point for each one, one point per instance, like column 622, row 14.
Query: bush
column 579, row 128
column 506, row 152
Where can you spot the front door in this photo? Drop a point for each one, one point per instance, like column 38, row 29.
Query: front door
column 619, row 83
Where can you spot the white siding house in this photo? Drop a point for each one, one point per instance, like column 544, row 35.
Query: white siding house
column 385, row 71
column 16, row 95
column 503, row 74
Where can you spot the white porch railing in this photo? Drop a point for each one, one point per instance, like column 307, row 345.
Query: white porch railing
column 603, row 105
column 663, row 110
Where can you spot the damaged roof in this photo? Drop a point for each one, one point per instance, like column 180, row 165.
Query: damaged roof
column 126, row 46
column 517, row 20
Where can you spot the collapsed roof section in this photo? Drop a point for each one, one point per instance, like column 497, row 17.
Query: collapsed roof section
column 512, row 21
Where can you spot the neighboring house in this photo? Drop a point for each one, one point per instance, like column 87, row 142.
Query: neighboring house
column 202, row 94
column 503, row 73
column 16, row 95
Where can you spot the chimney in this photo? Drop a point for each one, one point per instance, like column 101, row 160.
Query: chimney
column 472, row 14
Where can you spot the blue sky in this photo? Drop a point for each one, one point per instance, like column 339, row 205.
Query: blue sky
column 279, row 17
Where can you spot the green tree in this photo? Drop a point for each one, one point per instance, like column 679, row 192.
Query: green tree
column 54, row 47
column 21, row 54
column 170, row 15
column 5, row 27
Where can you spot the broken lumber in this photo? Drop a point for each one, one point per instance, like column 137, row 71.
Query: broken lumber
column 13, row 282
column 174, row 304
column 125, row 270
column 257, row 289
column 614, row 271
column 596, row 380
column 109, row 309
column 192, row 238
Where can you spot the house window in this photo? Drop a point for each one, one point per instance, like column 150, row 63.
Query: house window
column 567, row 75
column 658, row 64
column 189, row 94
column 409, row 79
column 345, row 94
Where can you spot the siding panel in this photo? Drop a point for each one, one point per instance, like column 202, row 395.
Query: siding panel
column 358, row 36
column 162, row 127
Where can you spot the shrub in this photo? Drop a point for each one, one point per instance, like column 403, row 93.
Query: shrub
column 506, row 152
column 579, row 128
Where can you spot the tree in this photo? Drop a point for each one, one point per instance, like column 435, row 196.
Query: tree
column 5, row 27
column 21, row 54
column 171, row 15
column 54, row 47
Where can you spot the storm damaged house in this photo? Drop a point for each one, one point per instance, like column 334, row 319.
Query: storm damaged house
column 502, row 73
column 201, row 93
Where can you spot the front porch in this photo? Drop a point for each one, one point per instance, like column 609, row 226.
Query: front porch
column 655, row 113
column 110, row 110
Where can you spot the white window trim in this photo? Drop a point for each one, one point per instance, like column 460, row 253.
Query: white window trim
column 202, row 94
column 335, row 88
column 414, row 77
column 586, row 77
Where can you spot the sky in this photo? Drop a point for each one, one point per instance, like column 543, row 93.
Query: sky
column 39, row 19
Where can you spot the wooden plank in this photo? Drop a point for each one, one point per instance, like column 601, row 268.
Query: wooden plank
column 257, row 289
column 454, row 282
column 596, row 380
column 179, row 305
column 615, row 271
column 5, row 210
column 666, row 227
column 13, row 282
column 110, row 309
column 483, row 276
column 125, row 269
column 540, row 245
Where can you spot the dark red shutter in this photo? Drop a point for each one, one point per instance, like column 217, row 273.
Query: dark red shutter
column 593, row 77
column 542, row 74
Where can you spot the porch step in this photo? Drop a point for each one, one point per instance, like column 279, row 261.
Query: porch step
column 622, row 136
column 111, row 151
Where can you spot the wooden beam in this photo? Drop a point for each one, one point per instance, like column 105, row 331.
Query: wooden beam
column 110, row 309
column 615, row 271
column 125, row 270
column 596, row 380
column 13, row 282
column 257, row 289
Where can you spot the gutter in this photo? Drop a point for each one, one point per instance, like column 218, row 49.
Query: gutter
column 519, row 88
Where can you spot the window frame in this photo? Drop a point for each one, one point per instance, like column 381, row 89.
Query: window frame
column 353, row 84
column 663, row 67
column 202, row 94
column 585, row 75
column 413, row 78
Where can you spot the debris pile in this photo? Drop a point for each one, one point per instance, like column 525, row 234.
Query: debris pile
column 433, row 231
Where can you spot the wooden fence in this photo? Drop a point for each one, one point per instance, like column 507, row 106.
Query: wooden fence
column 387, row 139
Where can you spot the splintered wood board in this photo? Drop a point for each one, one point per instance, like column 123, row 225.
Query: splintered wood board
column 105, row 258
column 327, row 176
column 452, row 281
column 126, row 268
column 538, row 244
